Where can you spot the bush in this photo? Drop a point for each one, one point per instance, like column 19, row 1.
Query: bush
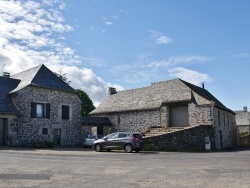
column 149, row 147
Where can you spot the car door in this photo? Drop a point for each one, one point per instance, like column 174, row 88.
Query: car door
column 122, row 139
column 108, row 141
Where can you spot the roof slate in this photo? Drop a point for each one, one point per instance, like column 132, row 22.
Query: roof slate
column 41, row 76
column 6, row 103
column 242, row 118
column 154, row 96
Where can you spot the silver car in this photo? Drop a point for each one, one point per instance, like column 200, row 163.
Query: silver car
column 89, row 140
column 127, row 141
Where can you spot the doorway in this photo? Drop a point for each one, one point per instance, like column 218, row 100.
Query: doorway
column 57, row 137
column 100, row 130
column 3, row 132
column 220, row 140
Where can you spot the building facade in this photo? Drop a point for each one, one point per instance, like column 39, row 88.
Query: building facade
column 37, row 106
column 169, row 104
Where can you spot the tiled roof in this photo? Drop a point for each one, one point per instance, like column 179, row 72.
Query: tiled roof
column 242, row 118
column 6, row 103
column 204, row 93
column 154, row 96
column 41, row 76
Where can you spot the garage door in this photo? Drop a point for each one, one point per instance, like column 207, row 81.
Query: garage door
column 178, row 116
column 2, row 131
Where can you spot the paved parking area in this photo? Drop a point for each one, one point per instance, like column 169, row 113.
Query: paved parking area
column 78, row 167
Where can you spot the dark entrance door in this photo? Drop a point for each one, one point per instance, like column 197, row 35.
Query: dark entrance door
column 100, row 130
column 220, row 140
column 2, row 132
column 57, row 137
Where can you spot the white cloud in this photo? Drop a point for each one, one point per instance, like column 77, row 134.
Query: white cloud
column 188, row 75
column 108, row 23
column 177, row 60
column 159, row 38
column 29, row 37
column 87, row 80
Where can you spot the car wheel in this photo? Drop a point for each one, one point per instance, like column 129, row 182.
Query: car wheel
column 137, row 150
column 128, row 148
column 98, row 148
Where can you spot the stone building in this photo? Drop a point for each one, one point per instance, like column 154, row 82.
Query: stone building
column 171, row 113
column 243, row 126
column 37, row 106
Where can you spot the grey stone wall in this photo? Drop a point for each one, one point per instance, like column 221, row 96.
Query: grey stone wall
column 141, row 121
column 200, row 115
column 191, row 139
column 29, row 130
column 136, row 121
column 206, row 115
column 224, row 122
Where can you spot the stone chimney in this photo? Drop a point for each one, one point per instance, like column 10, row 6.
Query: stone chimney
column 112, row 91
column 6, row 74
column 245, row 109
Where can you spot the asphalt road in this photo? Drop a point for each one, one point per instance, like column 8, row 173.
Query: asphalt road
column 77, row 167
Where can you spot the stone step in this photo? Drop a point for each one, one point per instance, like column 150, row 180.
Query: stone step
column 156, row 131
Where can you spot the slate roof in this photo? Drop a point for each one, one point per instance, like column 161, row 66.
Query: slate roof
column 153, row 96
column 242, row 117
column 6, row 103
column 40, row 76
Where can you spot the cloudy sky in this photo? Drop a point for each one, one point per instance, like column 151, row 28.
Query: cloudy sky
column 129, row 44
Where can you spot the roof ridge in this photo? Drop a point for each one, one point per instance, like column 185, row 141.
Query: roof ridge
column 26, row 70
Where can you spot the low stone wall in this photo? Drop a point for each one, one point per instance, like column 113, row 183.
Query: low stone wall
column 190, row 139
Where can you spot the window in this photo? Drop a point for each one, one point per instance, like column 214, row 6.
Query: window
column 118, row 119
column 219, row 117
column 44, row 130
column 40, row 110
column 122, row 135
column 65, row 112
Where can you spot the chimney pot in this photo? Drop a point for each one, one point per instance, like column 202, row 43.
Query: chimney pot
column 112, row 91
column 6, row 74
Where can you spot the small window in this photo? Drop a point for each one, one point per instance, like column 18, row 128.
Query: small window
column 40, row 110
column 119, row 119
column 44, row 130
column 65, row 112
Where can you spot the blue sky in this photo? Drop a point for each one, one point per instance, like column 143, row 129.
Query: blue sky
column 129, row 44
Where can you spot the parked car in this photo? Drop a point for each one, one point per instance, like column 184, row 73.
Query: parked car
column 88, row 141
column 127, row 141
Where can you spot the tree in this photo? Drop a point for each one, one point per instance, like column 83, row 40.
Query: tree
column 62, row 76
column 87, row 104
